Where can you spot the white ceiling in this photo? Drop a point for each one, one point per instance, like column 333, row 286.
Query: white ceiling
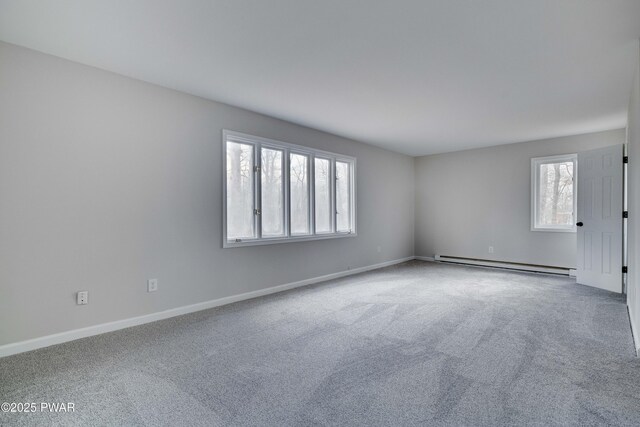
column 414, row 76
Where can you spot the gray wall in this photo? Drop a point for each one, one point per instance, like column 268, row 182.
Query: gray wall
column 633, row 147
column 469, row 200
column 106, row 181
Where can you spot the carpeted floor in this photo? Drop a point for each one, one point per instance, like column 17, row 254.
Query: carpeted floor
column 415, row 344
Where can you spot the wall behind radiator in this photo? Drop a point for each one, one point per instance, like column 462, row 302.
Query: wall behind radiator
column 469, row 200
column 107, row 181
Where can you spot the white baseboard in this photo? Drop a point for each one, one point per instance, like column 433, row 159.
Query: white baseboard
column 59, row 338
column 425, row 258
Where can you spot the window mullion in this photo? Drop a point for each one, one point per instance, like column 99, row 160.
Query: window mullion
column 258, row 189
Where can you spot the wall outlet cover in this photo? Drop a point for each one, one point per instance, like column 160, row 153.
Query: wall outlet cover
column 82, row 297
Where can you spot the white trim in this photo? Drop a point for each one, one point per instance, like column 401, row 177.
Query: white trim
column 292, row 239
column 535, row 163
column 572, row 272
column 258, row 143
column 46, row 341
column 555, row 230
column 425, row 258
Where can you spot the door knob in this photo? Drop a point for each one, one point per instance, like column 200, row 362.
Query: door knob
column 579, row 224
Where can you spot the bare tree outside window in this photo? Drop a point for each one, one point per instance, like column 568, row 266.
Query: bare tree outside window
column 556, row 193
column 276, row 192
column 240, row 215
column 554, row 197
column 323, row 195
column 272, row 213
column 299, row 187
column 343, row 204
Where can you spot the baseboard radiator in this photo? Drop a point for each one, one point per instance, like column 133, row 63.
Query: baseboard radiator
column 508, row 265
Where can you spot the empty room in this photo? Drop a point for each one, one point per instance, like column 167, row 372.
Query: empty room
column 319, row 213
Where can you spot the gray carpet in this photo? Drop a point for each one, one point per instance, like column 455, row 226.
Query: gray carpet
column 416, row 344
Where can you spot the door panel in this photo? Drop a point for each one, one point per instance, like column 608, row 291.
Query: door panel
column 600, row 210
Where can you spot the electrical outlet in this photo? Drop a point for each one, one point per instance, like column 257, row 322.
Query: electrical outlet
column 490, row 249
column 82, row 297
column 152, row 285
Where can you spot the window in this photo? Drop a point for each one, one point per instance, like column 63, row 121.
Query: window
column 240, row 189
column 553, row 193
column 272, row 192
column 343, row 198
column 277, row 192
column 299, row 187
column 322, row 185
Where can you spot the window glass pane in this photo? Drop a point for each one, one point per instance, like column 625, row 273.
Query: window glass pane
column 274, row 202
column 272, row 213
column 323, row 195
column 240, row 217
column 299, row 181
column 343, row 197
column 555, row 194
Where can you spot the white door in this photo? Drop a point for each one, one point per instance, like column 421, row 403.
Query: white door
column 599, row 219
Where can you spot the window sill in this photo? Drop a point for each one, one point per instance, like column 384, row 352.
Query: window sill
column 555, row 230
column 278, row 240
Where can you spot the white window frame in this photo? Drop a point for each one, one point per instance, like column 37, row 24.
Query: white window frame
column 536, row 162
column 257, row 143
column 310, row 221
